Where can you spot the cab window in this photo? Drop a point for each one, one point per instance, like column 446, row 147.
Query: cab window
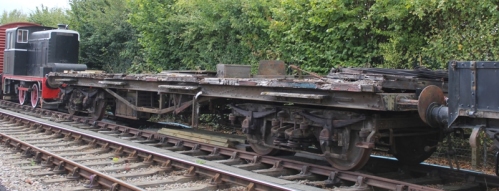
column 7, row 45
column 11, row 39
column 22, row 36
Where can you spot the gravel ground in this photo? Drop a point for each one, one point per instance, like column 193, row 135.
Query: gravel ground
column 16, row 179
column 13, row 178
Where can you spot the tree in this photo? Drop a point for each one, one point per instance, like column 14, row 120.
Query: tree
column 13, row 16
column 198, row 34
column 108, row 41
column 48, row 17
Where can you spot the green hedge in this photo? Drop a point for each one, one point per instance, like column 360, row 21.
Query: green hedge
column 316, row 34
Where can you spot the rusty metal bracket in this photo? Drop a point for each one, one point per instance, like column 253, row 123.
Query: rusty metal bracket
column 196, row 147
column 74, row 175
column 78, row 139
column 48, row 131
column 250, row 187
column 105, row 147
column 136, row 108
column 216, row 180
column 256, row 159
column 474, row 134
column 474, row 144
column 148, row 160
column 93, row 142
column 191, row 172
column 7, row 142
column 216, row 151
column 168, row 165
column 60, row 168
column 179, row 144
column 305, row 170
column 48, row 162
column 332, row 179
column 18, row 147
column 234, row 155
column 67, row 137
column 133, row 156
column 138, row 135
column 361, row 182
column 57, row 133
column 27, row 152
column 152, row 135
column 115, row 187
column 118, row 151
column 163, row 140
column 38, row 157
column 94, row 183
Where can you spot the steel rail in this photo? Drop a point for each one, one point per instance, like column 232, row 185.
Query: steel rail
column 332, row 173
column 60, row 162
column 222, row 175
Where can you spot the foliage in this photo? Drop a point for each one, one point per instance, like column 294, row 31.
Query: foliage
column 108, row 40
column 155, row 35
column 13, row 16
column 48, row 17
column 316, row 34
column 460, row 30
column 198, row 34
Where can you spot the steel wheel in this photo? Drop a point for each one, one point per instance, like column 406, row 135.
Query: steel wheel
column 256, row 140
column 356, row 157
column 35, row 95
column 22, row 95
column 261, row 149
column 98, row 107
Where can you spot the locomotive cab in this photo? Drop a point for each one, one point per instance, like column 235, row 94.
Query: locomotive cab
column 16, row 49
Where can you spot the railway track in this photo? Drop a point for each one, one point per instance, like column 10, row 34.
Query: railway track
column 154, row 149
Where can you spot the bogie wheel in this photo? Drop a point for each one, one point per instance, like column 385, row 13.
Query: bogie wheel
column 98, row 107
column 35, row 95
column 356, row 157
column 256, row 140
column 411, row 150
column 23, row 96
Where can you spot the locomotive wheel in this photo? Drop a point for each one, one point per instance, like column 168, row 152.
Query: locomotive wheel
column 35, row 95
column 356, row 157
column 23, row 97
column 411, row 150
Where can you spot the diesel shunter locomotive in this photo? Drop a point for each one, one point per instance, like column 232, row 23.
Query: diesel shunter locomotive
column 29, row 53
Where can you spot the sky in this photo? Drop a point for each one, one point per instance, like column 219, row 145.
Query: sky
column 30, row 5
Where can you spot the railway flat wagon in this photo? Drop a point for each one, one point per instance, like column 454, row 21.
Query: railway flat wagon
column 341, row 117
